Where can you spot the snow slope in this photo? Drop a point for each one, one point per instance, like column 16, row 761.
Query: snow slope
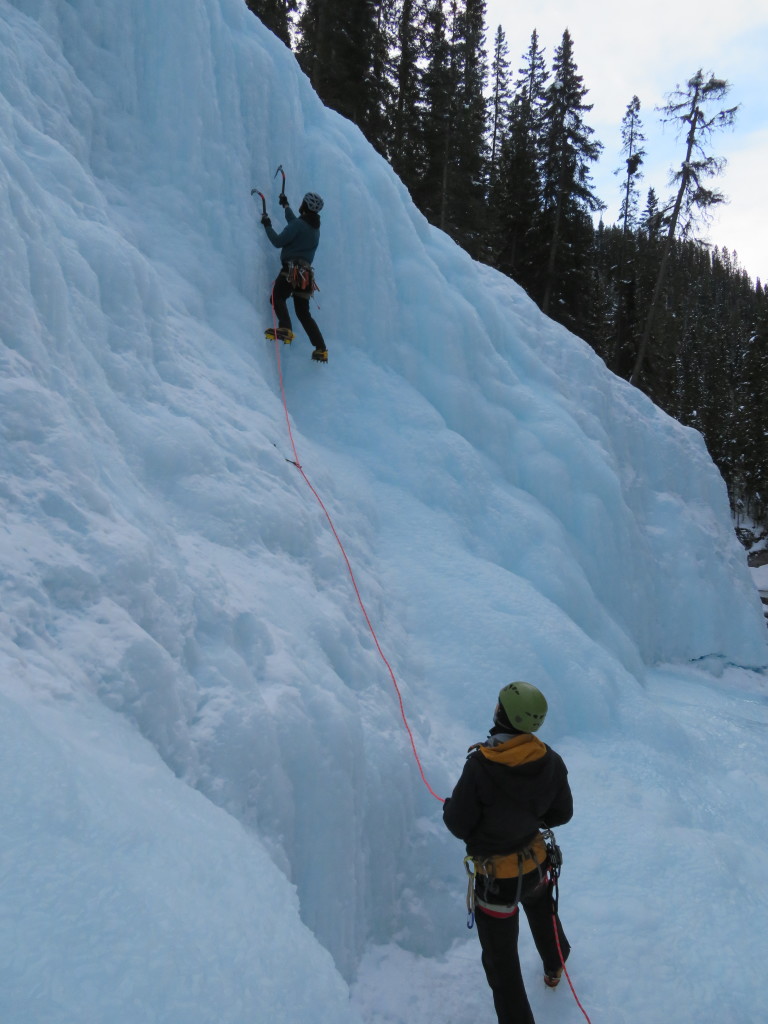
column 197, row 727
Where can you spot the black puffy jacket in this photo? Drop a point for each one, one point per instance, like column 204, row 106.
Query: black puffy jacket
column 506, row 792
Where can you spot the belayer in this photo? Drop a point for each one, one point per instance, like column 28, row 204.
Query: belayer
column 512, row 785
column 298, row 242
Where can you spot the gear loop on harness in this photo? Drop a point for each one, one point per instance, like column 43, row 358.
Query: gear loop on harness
column 300, row 275
column 470, row 890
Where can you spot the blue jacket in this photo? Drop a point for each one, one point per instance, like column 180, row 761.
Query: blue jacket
column 297, row 241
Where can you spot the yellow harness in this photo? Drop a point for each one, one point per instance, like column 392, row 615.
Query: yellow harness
column 510, row 865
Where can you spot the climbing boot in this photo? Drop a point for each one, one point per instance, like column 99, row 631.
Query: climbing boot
column 320, row 355
column 552, row 978
column 284, row 334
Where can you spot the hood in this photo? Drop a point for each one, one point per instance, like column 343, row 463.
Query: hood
column 514, row 752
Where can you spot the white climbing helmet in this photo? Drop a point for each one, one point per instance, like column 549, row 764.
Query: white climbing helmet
column 313, row 202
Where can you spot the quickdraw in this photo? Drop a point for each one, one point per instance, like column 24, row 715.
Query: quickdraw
column 555, row 862
column 470, row 890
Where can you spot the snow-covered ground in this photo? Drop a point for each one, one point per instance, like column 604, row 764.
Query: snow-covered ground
column 212, row 811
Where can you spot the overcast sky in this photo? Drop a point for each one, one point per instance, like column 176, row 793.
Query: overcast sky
column 622, row 51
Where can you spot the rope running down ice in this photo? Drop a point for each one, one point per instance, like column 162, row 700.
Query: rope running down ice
column 297, row 463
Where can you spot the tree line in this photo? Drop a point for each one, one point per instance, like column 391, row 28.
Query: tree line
column 498, row 154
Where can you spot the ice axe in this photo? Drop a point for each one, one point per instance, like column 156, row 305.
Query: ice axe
column 281, row 171
column 255, row 192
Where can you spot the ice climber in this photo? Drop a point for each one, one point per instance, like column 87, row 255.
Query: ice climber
column 511, row 786
column 298, row 242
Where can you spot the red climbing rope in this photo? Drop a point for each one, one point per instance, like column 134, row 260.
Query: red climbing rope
column 555, row 858
column 565, row 970
column 297, row 463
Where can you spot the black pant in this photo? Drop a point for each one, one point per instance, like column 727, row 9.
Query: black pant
column 498, row 938
column 281, row 292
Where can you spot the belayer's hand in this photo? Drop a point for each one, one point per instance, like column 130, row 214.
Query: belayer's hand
column 283, row 200
column 265, row 220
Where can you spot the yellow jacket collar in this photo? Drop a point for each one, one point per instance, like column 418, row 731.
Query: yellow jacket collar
column 519, row 750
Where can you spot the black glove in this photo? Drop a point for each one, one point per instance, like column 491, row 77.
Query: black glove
column 283, row 200
column 266, row 221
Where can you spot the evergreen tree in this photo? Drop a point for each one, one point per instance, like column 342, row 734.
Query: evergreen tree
column 753, row 410
column 276, row 15
column 469, row 175
column 377, row 123
column 632, row 139
column 343, row 49
column 318, row 46
column 440, row 83
column 500, row 102
column 453, row 189
column 516, row 199
column 653, row 218
column 599, row 321
column 625, row 289
column 406, row 151
column 568, row 198
column 686, row 108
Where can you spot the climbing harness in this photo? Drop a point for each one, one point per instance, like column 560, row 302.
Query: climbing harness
column 486, row 868
column 509, row 865
column 301, row 277
column 543, row 854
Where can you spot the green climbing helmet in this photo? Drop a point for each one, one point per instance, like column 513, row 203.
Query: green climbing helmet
column 524, row 705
